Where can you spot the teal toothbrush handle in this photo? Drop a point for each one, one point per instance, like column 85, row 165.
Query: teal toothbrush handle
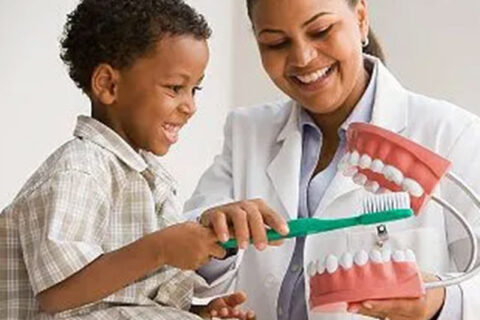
column 302, row 227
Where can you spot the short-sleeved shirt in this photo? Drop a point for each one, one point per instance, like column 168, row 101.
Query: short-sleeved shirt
column 95, row 194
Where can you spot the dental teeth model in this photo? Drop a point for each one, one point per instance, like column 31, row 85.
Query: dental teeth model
column 353, row 277
column 382, row 161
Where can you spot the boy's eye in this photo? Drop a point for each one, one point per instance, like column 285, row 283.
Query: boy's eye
column 176, row 89
column 196, row 89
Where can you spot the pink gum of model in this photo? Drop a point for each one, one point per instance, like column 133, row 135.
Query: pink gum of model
column 413, row 160
column 387, row 280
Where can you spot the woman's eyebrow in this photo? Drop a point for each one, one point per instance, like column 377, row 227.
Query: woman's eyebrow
column 306, row 23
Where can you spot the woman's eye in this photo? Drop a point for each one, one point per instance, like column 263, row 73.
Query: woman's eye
column 322, row 33
column 277, row 46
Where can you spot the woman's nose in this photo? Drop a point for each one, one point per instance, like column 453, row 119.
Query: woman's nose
column 302, row 54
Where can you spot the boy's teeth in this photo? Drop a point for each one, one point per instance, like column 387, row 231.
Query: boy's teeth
column 331, row 263
column 314, row 76
column 361, row 258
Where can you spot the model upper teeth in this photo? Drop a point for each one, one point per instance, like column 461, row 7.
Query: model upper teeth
column 348, row 260
column 353, row 161
column 314, row 76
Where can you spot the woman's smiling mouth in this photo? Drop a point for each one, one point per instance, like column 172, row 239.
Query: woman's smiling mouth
column 314, row 80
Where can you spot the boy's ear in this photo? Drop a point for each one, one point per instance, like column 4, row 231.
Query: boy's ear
column 105, row 84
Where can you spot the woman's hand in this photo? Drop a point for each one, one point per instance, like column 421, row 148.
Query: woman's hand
column 423, row 308
column 227, row 307
column 248, row 219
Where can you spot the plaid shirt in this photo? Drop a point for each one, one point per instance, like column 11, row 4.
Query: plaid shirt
column 93, row 195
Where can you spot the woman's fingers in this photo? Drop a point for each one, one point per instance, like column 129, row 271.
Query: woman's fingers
column 239, row 220
column 218, row 220
column 256, row 225
column 272, row 218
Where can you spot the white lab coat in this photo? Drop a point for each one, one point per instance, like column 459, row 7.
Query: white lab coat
column 261, row 159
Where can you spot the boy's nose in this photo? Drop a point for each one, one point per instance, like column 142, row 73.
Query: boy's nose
column 188, row 107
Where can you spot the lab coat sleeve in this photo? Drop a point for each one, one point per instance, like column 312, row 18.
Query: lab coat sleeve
column 216, row 188
column 465, row 157
column 216, row 184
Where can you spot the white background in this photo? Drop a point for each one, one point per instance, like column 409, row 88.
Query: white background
column 432, row 46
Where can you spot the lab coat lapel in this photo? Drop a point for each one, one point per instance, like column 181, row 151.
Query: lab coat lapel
column 389, row 111
column 284, row 169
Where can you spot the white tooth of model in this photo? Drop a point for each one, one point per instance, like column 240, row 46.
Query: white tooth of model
column 343, row 164
column 372, row 186
column 398, row 256
column 350, row 171
column 393, row 174
column 354, row 158
column 361, row 258
column 377, row 166
column 365, row 161
column 346, row 261
column 331, row 263
column 382, row 190
column 360, row 179
column 386, row 254
column 320, row 267
column 412, row 187
column 376, row 256
column 312, row 268
column 410, row 255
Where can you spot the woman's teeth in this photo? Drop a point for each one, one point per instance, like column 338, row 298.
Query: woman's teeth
column 314, row 76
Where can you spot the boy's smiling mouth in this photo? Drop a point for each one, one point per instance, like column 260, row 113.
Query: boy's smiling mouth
column 171, row 131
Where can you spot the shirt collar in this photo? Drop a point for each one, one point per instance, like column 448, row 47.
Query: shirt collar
column 362, row 111
column 93, row 130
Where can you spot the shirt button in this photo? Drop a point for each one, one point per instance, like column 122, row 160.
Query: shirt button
column 295, row 268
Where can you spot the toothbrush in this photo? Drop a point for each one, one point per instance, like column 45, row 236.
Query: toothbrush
column 377, row 209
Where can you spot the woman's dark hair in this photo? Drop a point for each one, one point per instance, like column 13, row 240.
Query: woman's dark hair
column 118, row 32
column 374, row 48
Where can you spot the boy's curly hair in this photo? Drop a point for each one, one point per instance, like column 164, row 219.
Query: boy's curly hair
column 118, row 32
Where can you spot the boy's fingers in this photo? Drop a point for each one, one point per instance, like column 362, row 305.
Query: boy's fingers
column 273, row 219
column 235, row 299
column 217, row 251
column 276, row 243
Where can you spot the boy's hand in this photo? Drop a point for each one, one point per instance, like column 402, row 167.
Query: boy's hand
column 248, row 219
column 227, row 307
column 188, row 245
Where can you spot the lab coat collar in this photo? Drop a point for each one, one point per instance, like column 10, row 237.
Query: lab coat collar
column 389, row 111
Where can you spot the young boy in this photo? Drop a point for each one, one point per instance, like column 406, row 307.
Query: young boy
column 96, row 232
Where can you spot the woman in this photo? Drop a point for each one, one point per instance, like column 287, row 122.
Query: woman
column 283, row 156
